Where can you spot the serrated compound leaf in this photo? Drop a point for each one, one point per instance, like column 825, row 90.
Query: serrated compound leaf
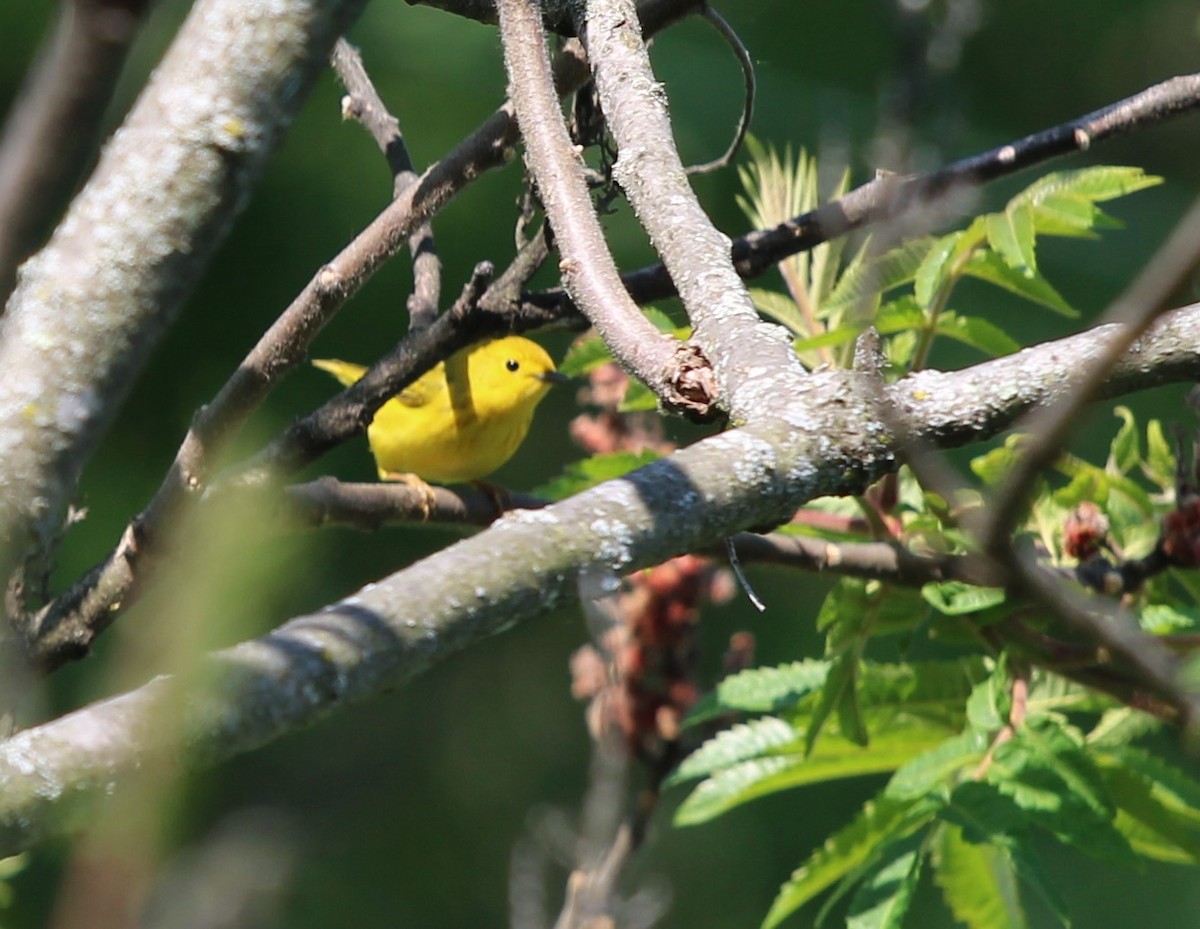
column 978, row 882
column 828, row 339
column 781, row 308
column 922, row 775
column 933, row 271
column 990, row 267
column 1047, row 774
column 1010, row 234
column 899, row 315
column 833, row 758
column 1160, row 456
column 839, row 687
column 762, row 690
column 957, row 598
column 736, row 744
column 580, row 475
column 885, row 895
column 1149, row 820
column 862, row 282
column 878, row 824
column 978, row 333
column 1096, row 184
column 1175, row 788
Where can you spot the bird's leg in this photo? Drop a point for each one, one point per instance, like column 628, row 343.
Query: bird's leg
column 425, row 495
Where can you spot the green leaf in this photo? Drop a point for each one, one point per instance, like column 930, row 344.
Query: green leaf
column 761, row 690
column 918, row 777
column 864, row 280
column 989, row 705
column 1011, row 236
column 986, row 815
column 957, row 598
column 829, row 339
column 1125, row 452
column 580, row 475
column 880, row 823
column 990, row 267
column 785, row 767
column 934, row 270
column 839, row 689
column 978, row 333
column 1047, row 772
column 978, row 882
column 638, row 398
column 884, row 896
column 900, row 315
column 1160, row 456
column 1096, row 184
column 1150, row 819
column 743, row 742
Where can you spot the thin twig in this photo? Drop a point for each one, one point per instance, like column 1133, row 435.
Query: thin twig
column 933, row 194
column 364, row 104
column 750, row 81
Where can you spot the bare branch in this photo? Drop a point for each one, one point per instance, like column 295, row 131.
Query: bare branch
column 364, row 104
column 726, row 327
column 385, row 635
column 934, row 195
column 52, row 131
column 589, row 272
column 92, row 303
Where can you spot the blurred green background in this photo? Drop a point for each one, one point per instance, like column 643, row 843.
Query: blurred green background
column 406, row 811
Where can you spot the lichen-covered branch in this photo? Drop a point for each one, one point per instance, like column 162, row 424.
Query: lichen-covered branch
column 398, row 627
column 89, row 306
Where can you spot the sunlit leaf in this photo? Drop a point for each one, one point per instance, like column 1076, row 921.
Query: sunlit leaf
column 739, row 743
column 990, row 267
column 885, row 895
column 1010, row 234
column 1125, row 452
column 978, row 882
column 878, row 824
column 918, row 777
column 762, row 690
column 978, row 333
column 957, row 598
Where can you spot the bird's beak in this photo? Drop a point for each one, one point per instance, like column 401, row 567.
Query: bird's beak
column 554, row 377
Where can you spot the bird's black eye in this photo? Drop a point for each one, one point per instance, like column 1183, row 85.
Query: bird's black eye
column 512, row 364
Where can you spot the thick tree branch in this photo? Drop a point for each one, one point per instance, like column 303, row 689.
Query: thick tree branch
column 589, row 271
column 51, row 133
column 395, row 629
column 726, row 326
column 65, row 628
column 91, row 304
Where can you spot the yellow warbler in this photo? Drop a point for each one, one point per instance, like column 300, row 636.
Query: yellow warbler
column 461, row 420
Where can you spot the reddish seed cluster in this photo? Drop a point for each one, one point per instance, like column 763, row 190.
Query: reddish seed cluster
column 606, row 430
column 642, row 679
column 1181, row 533
column 641, row 676
column 1085, row 534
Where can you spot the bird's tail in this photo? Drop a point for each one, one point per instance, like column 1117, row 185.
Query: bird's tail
column 346, row 372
